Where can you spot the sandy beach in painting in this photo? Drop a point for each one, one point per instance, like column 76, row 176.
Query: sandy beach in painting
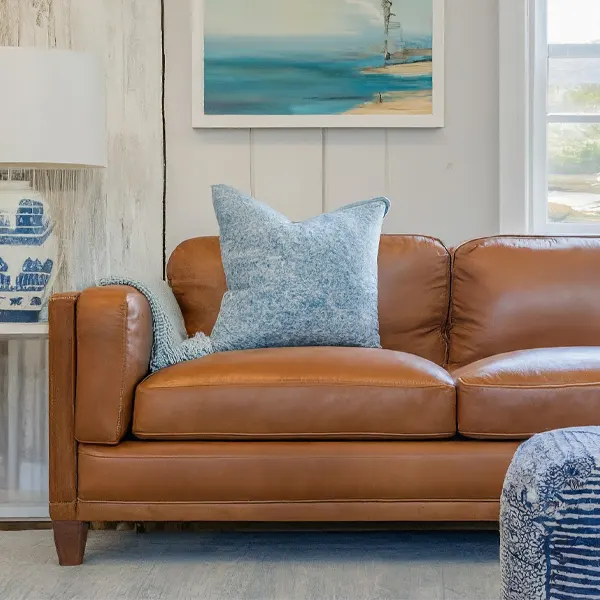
column 397, row 103
column 405, row 103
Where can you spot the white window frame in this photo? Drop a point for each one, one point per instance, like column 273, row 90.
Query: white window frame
column 523, row 118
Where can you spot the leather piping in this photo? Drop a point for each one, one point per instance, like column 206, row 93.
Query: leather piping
column 501, row 436
column 267, row 502
column 211, row 458
column 282, row 512
column 112, row 443
column 310, row 435
column 518, row 386
column 445, row 332
column 515, row 237
column 302, row 384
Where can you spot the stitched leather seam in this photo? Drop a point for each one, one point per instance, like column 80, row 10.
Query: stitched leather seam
column 276, row 384
column 510, row 436
column 423, row 436
column 98, row 442
column 443, row 331
column 124, row 311
column 253, row 458
column 516, row 386
column 268, row 502
column 501, row 236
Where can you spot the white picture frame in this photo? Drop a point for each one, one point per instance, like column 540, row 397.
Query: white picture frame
column 202, row 120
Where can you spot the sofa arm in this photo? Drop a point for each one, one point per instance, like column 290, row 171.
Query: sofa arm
column 62, row 370
column 114, row 341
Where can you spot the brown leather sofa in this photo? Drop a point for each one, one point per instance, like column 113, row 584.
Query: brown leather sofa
column 482, row 349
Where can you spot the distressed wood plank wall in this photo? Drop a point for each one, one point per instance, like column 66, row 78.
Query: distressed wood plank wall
column 109, row 221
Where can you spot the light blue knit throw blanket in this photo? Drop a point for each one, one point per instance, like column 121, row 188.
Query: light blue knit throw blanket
column 170, row 344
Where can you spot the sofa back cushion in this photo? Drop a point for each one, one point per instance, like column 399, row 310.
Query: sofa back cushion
column 414, row 289
column 517, row 292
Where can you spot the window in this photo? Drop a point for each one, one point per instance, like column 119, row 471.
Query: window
column 565, row 116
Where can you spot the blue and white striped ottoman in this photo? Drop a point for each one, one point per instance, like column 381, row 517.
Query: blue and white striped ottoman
column 550, row 518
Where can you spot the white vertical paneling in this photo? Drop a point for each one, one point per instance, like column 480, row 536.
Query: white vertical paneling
column 196, row 159
column 445, row 182
column 417, row 185
column 355, row 166
column 287, row 170
column 216, row 156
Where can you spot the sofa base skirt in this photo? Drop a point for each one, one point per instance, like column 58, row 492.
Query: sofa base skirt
column 333, row 512
column 291, row 481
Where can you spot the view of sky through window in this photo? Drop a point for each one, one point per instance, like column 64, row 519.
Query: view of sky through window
column 573, row 21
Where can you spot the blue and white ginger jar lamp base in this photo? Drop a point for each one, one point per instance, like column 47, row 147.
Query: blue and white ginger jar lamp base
column 28, row 249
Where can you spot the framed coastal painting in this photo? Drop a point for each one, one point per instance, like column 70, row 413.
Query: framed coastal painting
column 318, row 63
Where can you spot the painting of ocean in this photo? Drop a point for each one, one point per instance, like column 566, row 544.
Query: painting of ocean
column 303, row 58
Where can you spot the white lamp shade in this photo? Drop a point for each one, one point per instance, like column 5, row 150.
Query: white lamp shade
column 52, row 109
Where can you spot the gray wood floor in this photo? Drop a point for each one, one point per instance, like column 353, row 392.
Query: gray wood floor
column 255, row 566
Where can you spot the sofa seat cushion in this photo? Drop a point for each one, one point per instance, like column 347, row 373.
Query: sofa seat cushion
column 304, row 393
column 518, row 394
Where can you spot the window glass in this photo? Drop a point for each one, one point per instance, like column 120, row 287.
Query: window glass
column 573, row 172
column 572, row 141
column 574, row 85
column 573, row 21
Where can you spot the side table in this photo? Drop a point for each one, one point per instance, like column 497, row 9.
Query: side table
column 24, row 422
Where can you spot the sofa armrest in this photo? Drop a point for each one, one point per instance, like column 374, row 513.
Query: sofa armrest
column 62, row 371
column 114, row 342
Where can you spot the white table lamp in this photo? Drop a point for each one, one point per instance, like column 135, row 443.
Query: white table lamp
column 52, row 116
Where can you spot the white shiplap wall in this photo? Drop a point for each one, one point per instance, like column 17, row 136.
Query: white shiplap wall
column 441, row 182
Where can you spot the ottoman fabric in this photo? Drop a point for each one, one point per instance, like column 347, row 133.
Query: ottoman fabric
column 550, row 518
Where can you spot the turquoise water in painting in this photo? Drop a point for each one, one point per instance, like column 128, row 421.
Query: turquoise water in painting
column 279, row 77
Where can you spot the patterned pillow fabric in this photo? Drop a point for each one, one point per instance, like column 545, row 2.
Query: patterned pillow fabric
column 312, row 283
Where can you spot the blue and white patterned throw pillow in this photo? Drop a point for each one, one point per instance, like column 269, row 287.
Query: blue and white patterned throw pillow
column 312, row 283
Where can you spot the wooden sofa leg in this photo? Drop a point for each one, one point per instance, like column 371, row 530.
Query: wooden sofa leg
column 70, row 538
